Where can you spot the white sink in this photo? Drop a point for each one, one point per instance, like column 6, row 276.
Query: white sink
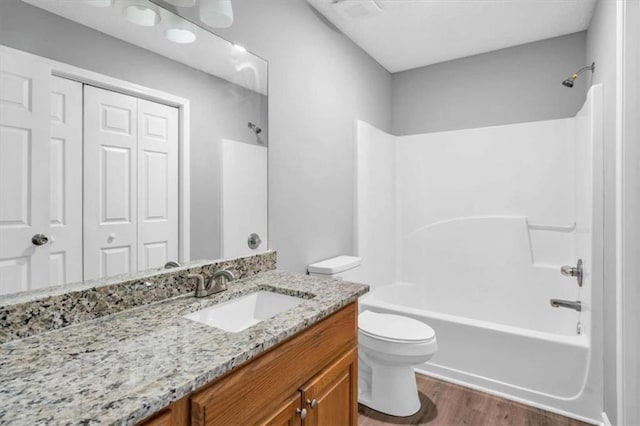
column 245, row 311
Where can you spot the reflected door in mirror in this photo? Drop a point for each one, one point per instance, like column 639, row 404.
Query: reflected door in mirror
column 131, row 184
column 81, row 204
column 24, row 173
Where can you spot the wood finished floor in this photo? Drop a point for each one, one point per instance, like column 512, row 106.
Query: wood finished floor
column 446, row 404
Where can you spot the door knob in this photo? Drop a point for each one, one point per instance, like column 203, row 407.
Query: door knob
column 570, row 271
column 302, row 413
column 313, row 403
column 39, row 240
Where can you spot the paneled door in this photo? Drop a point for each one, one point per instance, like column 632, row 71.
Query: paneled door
column 110, row 183
column 157, row 184
column 24, row 173
column 65, row 183
column 130, row 184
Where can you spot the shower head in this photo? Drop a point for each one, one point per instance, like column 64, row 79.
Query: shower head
column 257, row 130
column 569, row 82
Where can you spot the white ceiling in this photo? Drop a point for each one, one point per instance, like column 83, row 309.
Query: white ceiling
column 406, row 34
column 209, row 53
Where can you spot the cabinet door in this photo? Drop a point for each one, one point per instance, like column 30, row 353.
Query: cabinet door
column 287, row 414
column 331, row 397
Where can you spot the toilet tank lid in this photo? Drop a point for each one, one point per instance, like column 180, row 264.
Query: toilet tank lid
column 335, row 265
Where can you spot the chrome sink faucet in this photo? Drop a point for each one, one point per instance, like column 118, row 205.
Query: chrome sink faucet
column 216, row 284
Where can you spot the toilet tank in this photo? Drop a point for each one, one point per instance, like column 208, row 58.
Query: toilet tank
column 340, row 268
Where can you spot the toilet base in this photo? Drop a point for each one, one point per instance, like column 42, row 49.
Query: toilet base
column 390, row 389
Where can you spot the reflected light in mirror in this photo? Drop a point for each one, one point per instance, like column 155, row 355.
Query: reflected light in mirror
column 216, row 13
column 99, row 3
column 179, row 35
column 141, row 12
column 178, row 30
column 239, row 48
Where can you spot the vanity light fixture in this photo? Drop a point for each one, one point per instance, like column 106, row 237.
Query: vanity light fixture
column 99, row 3
column 216, row 13
column 141, row 12
column 179, row 30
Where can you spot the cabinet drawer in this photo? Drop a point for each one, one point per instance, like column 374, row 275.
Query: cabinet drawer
column 259, row 386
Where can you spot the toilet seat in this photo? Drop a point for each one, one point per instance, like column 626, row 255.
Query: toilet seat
column 394, row 328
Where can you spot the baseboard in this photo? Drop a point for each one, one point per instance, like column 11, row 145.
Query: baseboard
column 605, row 419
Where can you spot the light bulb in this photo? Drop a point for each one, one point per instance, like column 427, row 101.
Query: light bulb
column 178, row 30
column 141, row 12
column 216, row 13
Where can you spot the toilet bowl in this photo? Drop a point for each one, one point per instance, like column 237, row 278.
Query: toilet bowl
column 389, row 347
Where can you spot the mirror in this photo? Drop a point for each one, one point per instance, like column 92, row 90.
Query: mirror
column 130, row 137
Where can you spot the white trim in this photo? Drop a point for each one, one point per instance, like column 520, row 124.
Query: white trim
column 628, row 108
column 605, row 419
column 619, row 215
column 183, row 105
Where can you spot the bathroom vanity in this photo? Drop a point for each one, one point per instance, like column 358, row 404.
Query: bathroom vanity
column 310, row 377
column 151, row 365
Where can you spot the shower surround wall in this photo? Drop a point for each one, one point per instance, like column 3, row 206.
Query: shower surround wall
column 467, row 230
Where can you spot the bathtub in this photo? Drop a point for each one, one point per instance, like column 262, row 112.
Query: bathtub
column 549, row 370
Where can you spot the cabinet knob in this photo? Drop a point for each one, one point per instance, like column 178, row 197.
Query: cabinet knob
column 313, row 403
column 302, row 413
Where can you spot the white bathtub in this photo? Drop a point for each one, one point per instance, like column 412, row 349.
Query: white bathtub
column 539, row 368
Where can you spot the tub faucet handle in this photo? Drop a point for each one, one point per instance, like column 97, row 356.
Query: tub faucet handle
column 573, row 271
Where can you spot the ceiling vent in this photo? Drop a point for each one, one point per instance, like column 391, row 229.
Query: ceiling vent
column 351, row 10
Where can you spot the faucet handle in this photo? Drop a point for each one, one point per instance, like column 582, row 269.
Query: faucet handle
column 200, row 289
column 574, row 271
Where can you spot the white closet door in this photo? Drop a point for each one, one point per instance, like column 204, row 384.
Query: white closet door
column 110, row 183
column 65, row 182
column 157, row 184
column 24, row 172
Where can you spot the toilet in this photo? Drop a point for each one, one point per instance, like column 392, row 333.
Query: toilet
column 389, row 347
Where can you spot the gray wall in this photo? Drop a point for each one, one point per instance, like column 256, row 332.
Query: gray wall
column 319, row 83
column 513, row 85
column 601, row 48
column 219, row 109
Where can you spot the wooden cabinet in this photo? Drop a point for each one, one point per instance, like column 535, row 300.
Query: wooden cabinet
column 309, row 379
column 176, row 414
column 288, row 414
column 331, row 398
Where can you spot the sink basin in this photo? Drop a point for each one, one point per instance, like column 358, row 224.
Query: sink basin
column 243, row 312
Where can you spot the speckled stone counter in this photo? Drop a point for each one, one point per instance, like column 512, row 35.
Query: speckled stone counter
column 121, row 368
column 30, row 313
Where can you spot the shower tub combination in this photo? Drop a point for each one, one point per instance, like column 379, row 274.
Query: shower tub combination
column 479, row 243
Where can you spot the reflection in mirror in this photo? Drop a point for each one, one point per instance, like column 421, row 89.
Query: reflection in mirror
column 130, row 138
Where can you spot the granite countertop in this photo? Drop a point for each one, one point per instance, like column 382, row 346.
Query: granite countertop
column 121, row 368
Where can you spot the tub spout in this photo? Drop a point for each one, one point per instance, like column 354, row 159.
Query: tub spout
column 558, row 303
